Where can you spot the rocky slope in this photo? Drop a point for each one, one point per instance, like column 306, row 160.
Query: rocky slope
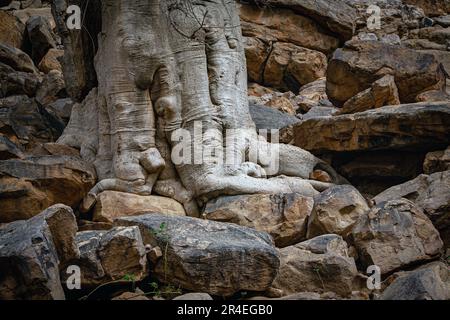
column 374, row 104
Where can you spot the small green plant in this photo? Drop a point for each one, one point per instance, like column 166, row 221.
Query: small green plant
column 317, row 270
column 162, row 235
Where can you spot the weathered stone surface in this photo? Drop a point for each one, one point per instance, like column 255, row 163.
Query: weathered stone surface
column 16, row 59
column 41, row 37
column 429, row 282
column 23, row 120
column 111, row 205
column 437, row 161
column 25, row 14
column 411, row 126
column 318, row 111
column 335, row 15
column 11, row 30
column 318, row 265
column 431, row 8
column 279, row 24
column 14, row 82
column 31, row 252
column 283, row 216
column 355, row 67
column 429, row 192
column 336, row 211
column 52, row 88
column 207, row 256
column 50, row 61
column 395, row 234
column 284, row 102
column 288, row 67
column 269, row 118
column 28, row 186
column 8, row 149
column 383, row 92
column 111, row 255
column 313, row 95
column 194, row 296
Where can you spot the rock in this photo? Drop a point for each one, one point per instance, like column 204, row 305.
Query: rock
column 8, row 149
column 312, row 95
column 28, row 186
column 11, row 30
column 16, row 59
column 131, row 296
column 194, row 296
column 111, row 205
column 61, row 108
column 437, row 161
column 289, row 67
column 269, row 118
column 395, row 234
column 50, row 61
column 25, row 14
column 431, row 8
column 443, row 20
column 336, row 211
column 78, row 61
column 429, row 282
column 31, row 252
column 383, row 92
column 256, row 53
column 41, row 37
column 355, row 67
column 412, row 126
column 335, row 15
column 431, row 193
column 284, row 25
column 207, row 256
column 112, row 255
column 318, row 265
column 283, row 216
column 28, row 123
column 52, row 88
column 317, row 112
column 17, row 82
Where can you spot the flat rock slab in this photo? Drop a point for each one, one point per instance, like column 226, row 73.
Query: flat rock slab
column 410, row 126
column 206, row 256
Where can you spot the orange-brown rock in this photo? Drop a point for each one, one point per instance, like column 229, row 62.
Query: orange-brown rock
column 50, row 61
column 355, row 67
column 11, row 30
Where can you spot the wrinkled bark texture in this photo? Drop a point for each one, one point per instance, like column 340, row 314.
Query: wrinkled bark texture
column 166, row 65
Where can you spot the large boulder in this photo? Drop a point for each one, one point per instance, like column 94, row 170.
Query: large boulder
column 395, row 234
column 336, row 210
column 283, row 216
column 22, row 119
column 111, row 205
column 112, row 255
column 412, row 126
column 51, row 61
column 32, row 253
column 28, row 186
column 318, row 265
column 16, row 59
column 267, row 118
column 431, row 8
column 437, row 161
column 284, row 25
column 41, row 37
column 360, row 63
column 431, row 193
column 207, row 256
column 429, row 282
column 14, row 82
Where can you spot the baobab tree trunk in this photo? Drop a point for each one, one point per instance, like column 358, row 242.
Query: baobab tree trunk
column 167, row 69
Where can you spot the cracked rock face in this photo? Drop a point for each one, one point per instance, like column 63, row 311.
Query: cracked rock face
column 206, row 256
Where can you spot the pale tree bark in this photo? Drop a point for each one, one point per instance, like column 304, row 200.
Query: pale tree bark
column 166, row 65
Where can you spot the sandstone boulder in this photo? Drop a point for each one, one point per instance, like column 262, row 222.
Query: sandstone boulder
column 359, row 64
column 31, row 252
column 431, row 8
column 395, row 234
column 8, row 149
column 41, row 37
column 50, row 61
column 429, row 282
column 207, row 256
column 28, row 186
column 14, row 82
column 270, row 118
column 336, row 210
column 111, row 256
column 111, row 205
column 411, row 126
column 16, row 59
column 318, row 265
column 313, row 95
column 52, row 88
column 283, row 216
